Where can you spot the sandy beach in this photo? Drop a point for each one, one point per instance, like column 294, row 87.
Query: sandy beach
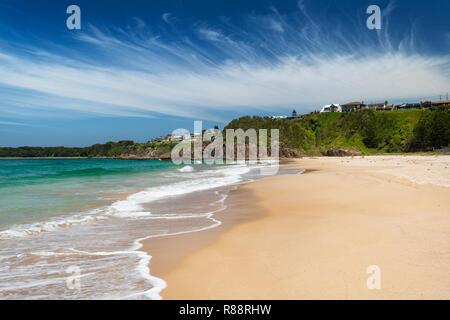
column 313, row 235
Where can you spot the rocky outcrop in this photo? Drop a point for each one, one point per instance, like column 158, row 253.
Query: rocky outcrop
column 286, row 152
column 340, row 153
column 156, row 153
column 163, row 152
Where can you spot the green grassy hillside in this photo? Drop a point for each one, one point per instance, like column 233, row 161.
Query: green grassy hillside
column 364, row 131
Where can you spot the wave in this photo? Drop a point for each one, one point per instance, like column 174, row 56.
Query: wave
column 132, row 206
column 20, row 231
column 208, row 179
column 186, row 169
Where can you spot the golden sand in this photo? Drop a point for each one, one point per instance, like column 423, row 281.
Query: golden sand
column 313, row 236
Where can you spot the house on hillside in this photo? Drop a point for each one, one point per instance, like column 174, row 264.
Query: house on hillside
column 407, row 106
column 335, row 107
column 176, row 138
column 425, row 104
column 278, row 117
column 376, row 106
column 439, row 103
column 352, row 106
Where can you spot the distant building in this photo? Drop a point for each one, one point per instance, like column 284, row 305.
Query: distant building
column 375, row 106
column 426, row 104
column 439, row 103
column 335, row 107
column 356, row 106
column 352, row 106
column 176, row 138
column 407, row 106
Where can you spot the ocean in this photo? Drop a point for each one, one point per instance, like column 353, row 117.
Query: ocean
column 65, row 222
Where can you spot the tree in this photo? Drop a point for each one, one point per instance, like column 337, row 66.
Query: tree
column 369, row 128
column 294, row 113
column 432, row 131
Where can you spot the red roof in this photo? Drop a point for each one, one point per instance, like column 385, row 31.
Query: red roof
column 376, row 104
column 441, row 102
column 353, row 104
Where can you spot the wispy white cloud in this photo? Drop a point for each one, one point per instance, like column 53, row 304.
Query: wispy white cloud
column 11, row 123
column 211, row 35
column 19, row 124
column 143, row 74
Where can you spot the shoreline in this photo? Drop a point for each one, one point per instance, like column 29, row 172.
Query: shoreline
column 419, row 153
column 305, row 237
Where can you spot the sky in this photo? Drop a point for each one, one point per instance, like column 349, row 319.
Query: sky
column 140, row 69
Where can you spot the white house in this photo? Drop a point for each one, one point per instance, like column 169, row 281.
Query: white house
column 335, row 107
column 176, row 138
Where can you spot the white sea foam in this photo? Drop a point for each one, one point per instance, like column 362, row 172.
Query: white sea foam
column 19, row 231
column 208, row 179
column 157, row 284
column 186, row 169
column 132, row 207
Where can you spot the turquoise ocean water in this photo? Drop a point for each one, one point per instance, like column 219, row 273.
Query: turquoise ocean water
column 32, row 190
column 88, row 216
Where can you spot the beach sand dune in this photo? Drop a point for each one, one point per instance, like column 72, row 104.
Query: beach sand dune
column 313, row 236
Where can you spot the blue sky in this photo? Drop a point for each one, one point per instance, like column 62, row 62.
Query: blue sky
column 140, row 69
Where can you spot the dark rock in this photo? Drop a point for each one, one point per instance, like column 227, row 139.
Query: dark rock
column 340, row 153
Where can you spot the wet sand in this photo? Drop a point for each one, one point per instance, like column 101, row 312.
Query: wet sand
column 312, row 236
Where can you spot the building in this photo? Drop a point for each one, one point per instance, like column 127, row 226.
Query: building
column 426, row 104
column 407, row 106
column 335, row 107
column 356, row 106
column 176, row 138
column 352, row 106
column 439, row 103
column 376, row 106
